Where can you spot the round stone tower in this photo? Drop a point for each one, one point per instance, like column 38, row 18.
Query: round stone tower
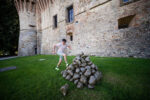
column 28, row 35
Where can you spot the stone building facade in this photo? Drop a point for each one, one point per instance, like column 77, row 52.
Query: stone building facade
column 117, row 28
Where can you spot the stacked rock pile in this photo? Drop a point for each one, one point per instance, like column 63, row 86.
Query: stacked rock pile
column 82, row 72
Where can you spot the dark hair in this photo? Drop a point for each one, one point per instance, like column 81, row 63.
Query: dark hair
column 64, row 40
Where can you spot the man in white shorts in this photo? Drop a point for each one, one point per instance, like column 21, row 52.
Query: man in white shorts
column 61, row 48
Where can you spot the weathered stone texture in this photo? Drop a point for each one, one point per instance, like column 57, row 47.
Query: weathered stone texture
column 95, row 27
column 28, row 34
column 28, row 30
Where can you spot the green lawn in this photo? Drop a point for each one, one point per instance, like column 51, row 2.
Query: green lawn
column 123, row 79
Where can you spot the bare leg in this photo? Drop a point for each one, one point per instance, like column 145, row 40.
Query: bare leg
column 60, row 60
column 65, row 58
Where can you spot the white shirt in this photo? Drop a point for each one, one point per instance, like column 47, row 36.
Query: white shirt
column 61, row 47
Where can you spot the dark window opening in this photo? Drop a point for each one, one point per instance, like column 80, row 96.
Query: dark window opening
column 125, row 2
column 35, row 50
column 33, row 6
column 55, row 21
column 70, row 15
column 32, row 26
column 71, row 38
column 125, row 22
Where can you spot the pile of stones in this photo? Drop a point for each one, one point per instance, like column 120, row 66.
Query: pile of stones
column 82, row 72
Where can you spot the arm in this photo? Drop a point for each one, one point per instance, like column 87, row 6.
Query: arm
column 69, row 47
column 54, row 49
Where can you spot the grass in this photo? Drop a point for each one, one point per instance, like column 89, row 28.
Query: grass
column 123, row 79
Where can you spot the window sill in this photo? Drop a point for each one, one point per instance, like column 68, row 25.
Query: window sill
column 54, row 28
column 67, row 23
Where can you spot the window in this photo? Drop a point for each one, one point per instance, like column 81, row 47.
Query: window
column 125, row 2
column 71, row 37
column 35, row 50
column 55, row 21
column 125, row 22
column 70, row 15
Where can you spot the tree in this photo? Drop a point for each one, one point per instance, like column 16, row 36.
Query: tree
column 9, row 28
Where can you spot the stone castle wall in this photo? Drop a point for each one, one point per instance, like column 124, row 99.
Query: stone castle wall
column 28, row 32
column 27, row 37
column 95, row 28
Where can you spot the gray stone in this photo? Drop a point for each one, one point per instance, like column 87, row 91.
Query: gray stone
column 98, row 75
column 84, row 56
column 71, row 79
column 78, row 62
column 74, row 63
column 77, row 70
column 93, row 66
column 64, row 89
column 78, row 57
column 87, row 72
column 90, row 86
column 76, row 81
column 81, row 73
column 64, row 74
column 83, row 64
column 87, row 59
column 90, row 63
column 82, row 53
column 76, row 76
column 96, row 67
column 70, row 72
column 80, row 85
column 88, row 67
column 83, row 61
column 82, row 69
column 93, row 71
column 76, row 66
column 92, row 80
column 71, row 67
column 83, row 79
column 68, row 77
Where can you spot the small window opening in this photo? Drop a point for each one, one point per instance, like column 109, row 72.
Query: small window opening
column 32, row 26
column 71, row 37
column 55, row 21
column 125, row 22
column 125, row 1
column 35, row 50
column 33, row 6
column 70, row 15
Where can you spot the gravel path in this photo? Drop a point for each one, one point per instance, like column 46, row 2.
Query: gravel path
column 4, row 58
